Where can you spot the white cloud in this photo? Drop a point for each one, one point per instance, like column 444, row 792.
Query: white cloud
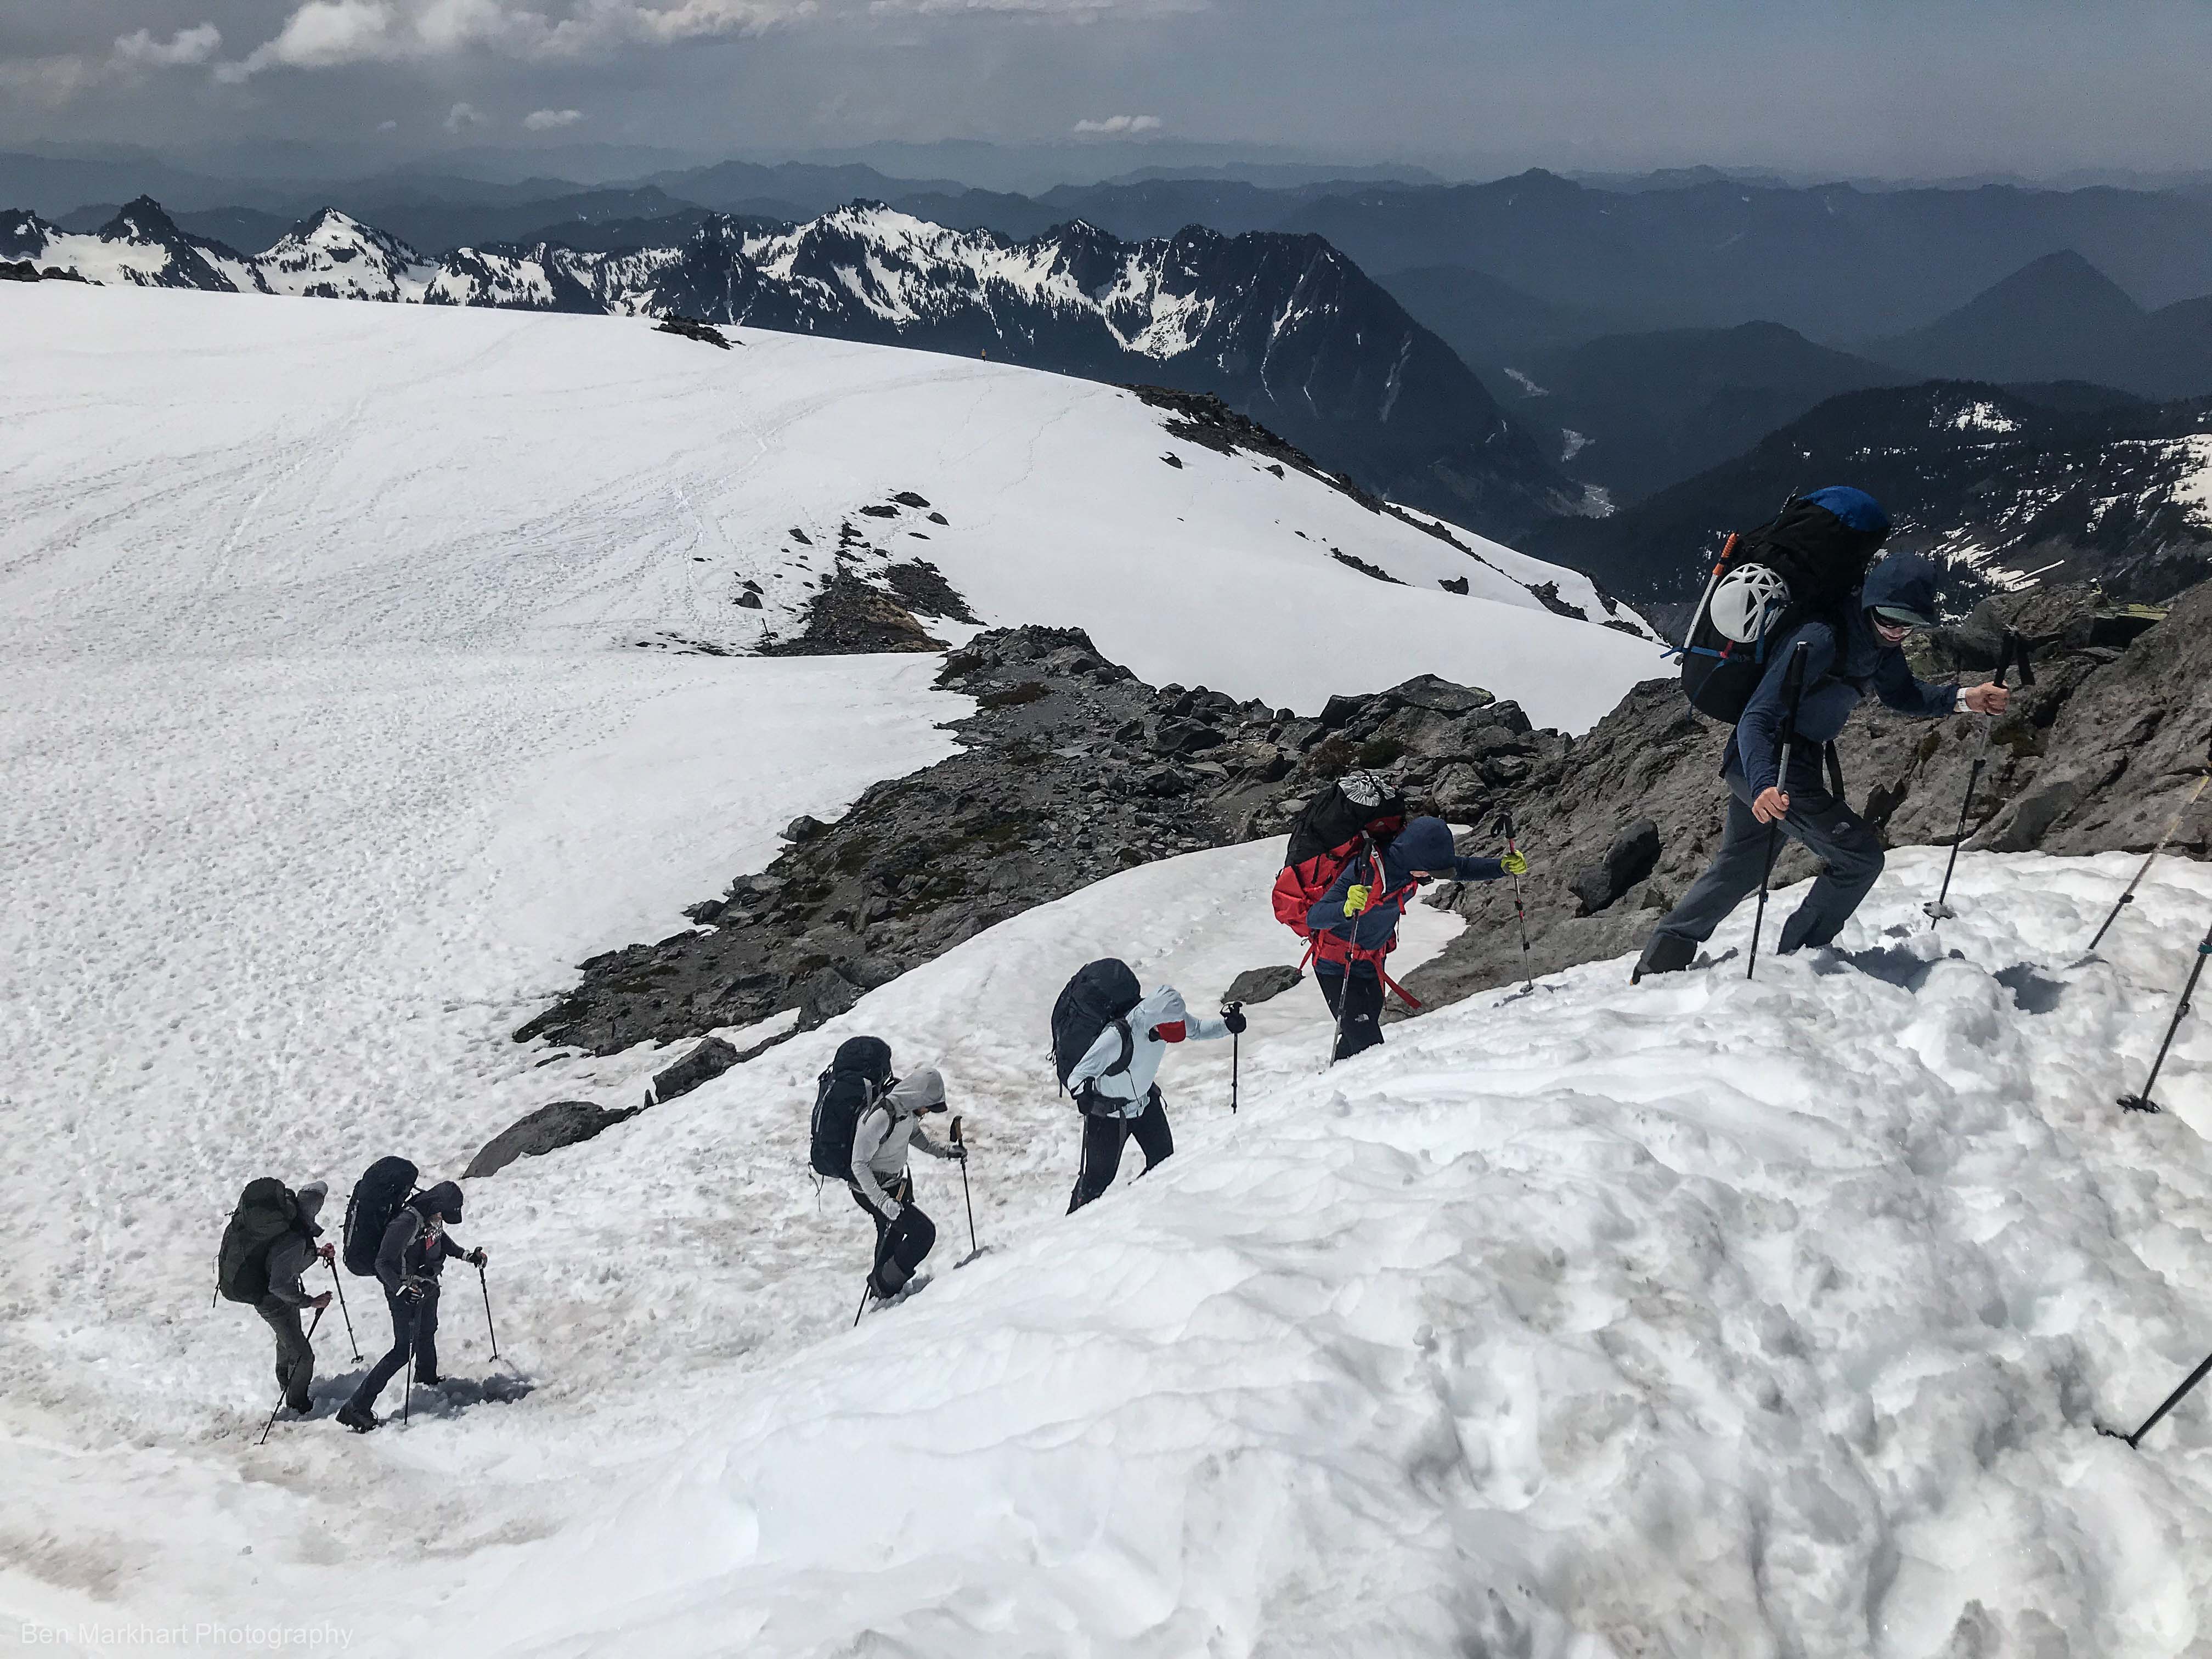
column 546, row 120
column 187, row 46
column 388, row 126
column 323, row 34
column 461, row 116
column 1114, row 126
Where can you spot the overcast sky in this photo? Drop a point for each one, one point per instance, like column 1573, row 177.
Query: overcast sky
column 1900, row 87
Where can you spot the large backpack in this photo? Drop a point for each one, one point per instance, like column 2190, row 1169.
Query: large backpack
column 859, row 1077
column 1328, row 837
column 1101, row 993
column 267, row 1210
column 387, row 1183
column 1818, row 547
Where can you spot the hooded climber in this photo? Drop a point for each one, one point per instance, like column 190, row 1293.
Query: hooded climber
column 289, row 1257
column 1355, row 924
column 1113, row 1085
column 414, row 1251
column 881, row 1185
column 1847, row 656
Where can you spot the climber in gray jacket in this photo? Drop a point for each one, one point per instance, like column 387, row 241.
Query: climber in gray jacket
column 881, row 1185
column 289, row 1257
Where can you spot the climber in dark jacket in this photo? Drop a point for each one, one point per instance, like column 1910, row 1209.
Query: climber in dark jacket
column 412, row 1253
column 1355, row 925
column 1841, row 667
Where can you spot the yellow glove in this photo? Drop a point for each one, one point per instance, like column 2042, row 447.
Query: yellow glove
column 1515, row 864
column 1357, row 897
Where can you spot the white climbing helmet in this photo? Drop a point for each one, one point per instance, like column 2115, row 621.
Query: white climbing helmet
column 1747, row 602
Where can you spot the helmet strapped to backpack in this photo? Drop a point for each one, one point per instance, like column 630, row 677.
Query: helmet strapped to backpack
column 858, row 1076
column 1805, row 564
column 1101, row 993
column 383, row 1188
column 267, row 1210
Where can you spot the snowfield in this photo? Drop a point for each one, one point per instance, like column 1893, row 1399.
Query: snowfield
column 1705, row 1319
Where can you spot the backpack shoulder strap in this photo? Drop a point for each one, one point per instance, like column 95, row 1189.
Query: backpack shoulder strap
column 1120, row 1023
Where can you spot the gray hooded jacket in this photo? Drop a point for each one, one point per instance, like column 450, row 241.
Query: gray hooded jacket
column 885, row 1132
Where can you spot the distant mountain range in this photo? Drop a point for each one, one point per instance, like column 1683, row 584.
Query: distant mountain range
column 1284, row 329
column 2072, row 483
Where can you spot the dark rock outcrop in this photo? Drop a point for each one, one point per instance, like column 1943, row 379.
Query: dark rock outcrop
column 1261, row 984
column 564, row 1124
column 702, row 1064
column 849, row 616
column 2096, row 755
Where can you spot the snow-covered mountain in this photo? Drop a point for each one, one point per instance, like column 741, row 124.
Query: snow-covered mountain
column 1284, row 328
column 2063, row 482
column 141, row 245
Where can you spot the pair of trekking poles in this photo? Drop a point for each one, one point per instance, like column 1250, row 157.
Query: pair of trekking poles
column 967, row 1197
column 338, row 1282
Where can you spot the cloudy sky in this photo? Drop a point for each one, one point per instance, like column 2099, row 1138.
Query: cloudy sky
column 1903, row 88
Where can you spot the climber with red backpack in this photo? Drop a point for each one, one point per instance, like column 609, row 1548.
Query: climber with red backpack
column 1354, row 925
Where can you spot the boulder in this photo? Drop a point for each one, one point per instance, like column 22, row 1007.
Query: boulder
column 803, row 828
column 1634, row 855
column 703, row 1064
column 1260, row 984
column 564, row 1124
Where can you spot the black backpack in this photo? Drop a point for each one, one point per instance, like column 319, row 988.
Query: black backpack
column 1101, row 995
column 267, row 1210
column 857, row 1077
column 1822, row 559
column 1340, row 813
column 388, row 1184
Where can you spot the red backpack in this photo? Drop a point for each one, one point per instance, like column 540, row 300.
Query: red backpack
column 1359, row 810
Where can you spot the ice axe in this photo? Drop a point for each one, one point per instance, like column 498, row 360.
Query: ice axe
column 2013, row 650
column 2135, row 1440
column 2173, row 826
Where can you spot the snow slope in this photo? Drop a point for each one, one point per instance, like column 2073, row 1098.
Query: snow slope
column 421, row 470
column 1720, row 1318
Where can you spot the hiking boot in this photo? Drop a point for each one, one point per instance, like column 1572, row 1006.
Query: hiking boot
column 1664, row 953
column 359, row 1419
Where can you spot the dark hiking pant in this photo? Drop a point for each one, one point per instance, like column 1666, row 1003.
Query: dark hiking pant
column 1104, row 1135
column 1359, row 996
column 1846, row 843
column 414, row 1329
column 901, row 1245
column 295, row 1356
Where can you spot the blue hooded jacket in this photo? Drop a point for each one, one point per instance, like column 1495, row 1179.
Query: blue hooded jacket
column 1838, row 676
column 1423, row 844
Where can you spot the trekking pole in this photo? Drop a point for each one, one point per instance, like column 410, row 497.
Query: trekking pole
column 863, row 1307
column 484, row 1285
column 967, row 1197
column 339, row 1282
column 2143, row 1103
column 279, row 1406
column 2170, row 1402
column 1344, row 995
column 2015, row 649
column 407, row 1376
column 1235, row 1044
column 1793, row 687
column 1506, row 828
column 2174, row 825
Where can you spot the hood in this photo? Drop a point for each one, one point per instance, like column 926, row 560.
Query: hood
column 1424, row 844
column 924, row 1091
column 1163, row 1007
column 444, row 1199
column 311, row 1198
column 1904, row 583
column 1855, row 507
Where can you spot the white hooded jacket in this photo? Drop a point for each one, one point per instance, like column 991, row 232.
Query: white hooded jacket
column 1124, row 1091
column 886, row 1129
